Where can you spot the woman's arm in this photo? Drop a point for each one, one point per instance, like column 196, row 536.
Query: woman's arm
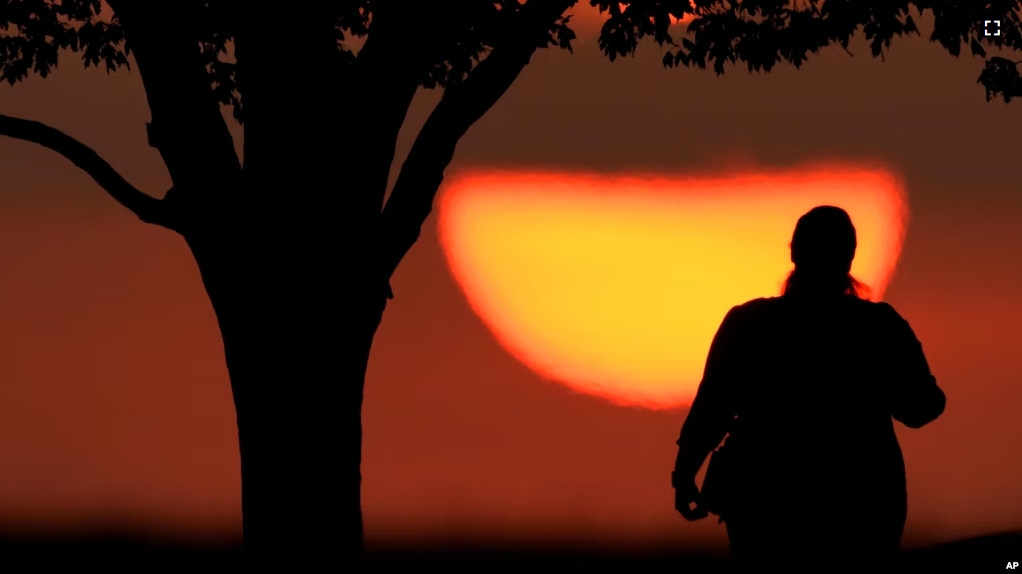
column 915, row 398
column 712, row 409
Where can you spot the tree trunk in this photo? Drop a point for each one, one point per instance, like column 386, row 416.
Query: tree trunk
column 296, row 343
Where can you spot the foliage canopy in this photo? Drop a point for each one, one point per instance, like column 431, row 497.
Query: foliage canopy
column 758, row 33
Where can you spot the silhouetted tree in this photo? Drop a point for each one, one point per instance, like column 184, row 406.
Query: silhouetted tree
column 296, row 245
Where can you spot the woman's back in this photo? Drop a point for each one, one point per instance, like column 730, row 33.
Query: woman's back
column 814, row 406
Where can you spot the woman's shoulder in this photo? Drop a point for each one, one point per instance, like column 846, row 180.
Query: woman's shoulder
column 883, row 311
column 879, row 308
column 879, row 315
column 756, row 306
column 764, row 305
column 759, row 303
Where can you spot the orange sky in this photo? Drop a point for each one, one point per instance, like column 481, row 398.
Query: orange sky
column 91, row 300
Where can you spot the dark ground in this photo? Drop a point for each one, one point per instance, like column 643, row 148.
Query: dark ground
column 109, row 553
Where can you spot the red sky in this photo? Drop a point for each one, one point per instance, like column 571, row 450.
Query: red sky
column 459, row 436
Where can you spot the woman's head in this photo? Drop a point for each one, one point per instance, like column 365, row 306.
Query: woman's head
column 822, row 249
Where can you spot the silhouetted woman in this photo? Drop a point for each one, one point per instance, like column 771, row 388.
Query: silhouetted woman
column 805, row 387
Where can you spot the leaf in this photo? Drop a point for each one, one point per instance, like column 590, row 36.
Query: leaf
column 1001, row 77
column 37, row 32
column 977, row 50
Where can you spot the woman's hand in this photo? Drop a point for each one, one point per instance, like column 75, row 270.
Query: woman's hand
column 686, row 501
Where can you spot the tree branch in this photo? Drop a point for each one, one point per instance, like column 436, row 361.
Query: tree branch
column 411, row 200
column 283, row 88
column 149, row 209
column 187, row 126
column 387, row 78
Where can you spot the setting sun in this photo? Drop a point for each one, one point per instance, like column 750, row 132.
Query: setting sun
column 615, row 286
